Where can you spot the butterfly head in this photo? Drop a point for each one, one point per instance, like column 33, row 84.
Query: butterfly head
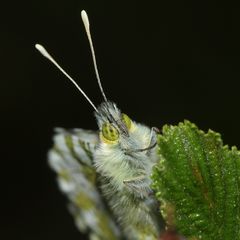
column 112, row 122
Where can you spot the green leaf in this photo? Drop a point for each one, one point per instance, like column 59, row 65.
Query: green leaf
column 197, row 181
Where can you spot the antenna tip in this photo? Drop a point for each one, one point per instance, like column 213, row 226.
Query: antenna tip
column 42, row 50
column 39, row 47
column 85, row 18
column 83, row 13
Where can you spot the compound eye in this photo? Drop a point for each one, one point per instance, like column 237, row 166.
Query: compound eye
column 109, row 132
column 126, row 120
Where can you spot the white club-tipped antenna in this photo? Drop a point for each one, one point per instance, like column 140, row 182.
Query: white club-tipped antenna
column 44, row 52
column 87, row 28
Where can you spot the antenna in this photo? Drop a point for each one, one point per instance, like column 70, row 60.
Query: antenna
column 87, row 28
column 44, row 52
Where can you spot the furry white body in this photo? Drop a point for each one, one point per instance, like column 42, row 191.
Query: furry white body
column 125, row 166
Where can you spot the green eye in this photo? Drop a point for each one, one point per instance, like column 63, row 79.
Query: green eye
column 127, row 121
column 109, row 132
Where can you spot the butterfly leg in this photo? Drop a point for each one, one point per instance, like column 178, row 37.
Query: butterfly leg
column 139, row 185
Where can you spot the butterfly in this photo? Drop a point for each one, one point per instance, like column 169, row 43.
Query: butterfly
column 105, row 174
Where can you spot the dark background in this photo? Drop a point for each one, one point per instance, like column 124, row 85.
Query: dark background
column 160, row 61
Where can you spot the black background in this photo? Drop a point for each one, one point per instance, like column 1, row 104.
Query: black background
column 160, row 61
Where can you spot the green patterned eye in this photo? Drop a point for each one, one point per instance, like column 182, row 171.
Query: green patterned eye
column 109, row 132
column 127, row 121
